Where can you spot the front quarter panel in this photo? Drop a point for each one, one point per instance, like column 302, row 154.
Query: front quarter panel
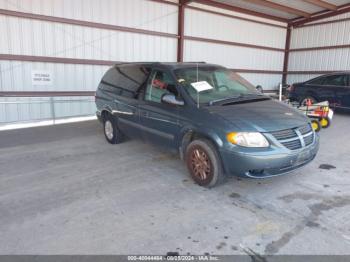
column 202, row 123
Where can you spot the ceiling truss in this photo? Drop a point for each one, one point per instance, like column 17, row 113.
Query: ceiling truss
column 303, row 17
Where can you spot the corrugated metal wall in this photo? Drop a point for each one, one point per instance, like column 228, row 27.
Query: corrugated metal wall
column 319, row 35
column 21, row 36
column 130, row 13
column 35, row 37
column 206, row 25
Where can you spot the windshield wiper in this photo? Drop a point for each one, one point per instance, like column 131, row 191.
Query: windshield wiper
column 247, row 100
column 234, row 97
column 252, row 94
column 223, row 99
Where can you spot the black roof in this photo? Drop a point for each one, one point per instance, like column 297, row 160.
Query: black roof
column 171, row 65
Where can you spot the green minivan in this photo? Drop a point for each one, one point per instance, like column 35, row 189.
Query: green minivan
column 219, row 124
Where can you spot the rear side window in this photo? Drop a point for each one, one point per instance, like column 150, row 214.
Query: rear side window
column 335, row 80
column 125, row 80
column 316, row 81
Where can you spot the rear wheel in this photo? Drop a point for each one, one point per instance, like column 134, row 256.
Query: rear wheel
column 203, row 163
column 303, row 101
column 111, row 131
column 325, row 122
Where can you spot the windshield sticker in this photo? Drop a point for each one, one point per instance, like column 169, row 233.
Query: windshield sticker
column 201, row 86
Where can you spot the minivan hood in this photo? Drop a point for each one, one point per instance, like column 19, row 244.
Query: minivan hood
column 261, row 116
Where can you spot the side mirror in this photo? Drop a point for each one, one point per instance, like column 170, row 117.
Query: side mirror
column 259, row 88
column 171, row 100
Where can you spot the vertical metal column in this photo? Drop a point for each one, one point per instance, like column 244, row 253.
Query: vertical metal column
column 181, row 29
column 286, row 55
column 52, row 106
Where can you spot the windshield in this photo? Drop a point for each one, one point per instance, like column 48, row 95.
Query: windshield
column 213, row 84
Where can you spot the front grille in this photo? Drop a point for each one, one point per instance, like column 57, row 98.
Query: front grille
column 295, row 138
column 292, row 145
column 284, row 134
column 305, row 129
column 309, row 139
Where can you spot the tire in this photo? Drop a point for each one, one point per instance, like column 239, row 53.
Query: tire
column 303, row 100
column 111, row 131
column 204, row 163
column 316, row 125
column 325, row 122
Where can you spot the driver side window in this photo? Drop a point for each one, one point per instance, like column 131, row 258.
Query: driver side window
column 160, row 83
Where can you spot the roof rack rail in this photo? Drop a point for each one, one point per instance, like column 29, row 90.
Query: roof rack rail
column 120, row 63
column 155, row 63
column 127, row 63
column 191, row 62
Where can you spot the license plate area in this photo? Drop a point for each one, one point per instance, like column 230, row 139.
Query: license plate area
column 302, row 157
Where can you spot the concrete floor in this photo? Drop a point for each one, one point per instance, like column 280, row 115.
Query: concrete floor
column 64, row 190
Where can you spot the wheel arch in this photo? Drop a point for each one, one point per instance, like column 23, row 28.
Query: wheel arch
column 106, row 110
column 191, row 134
column 309, row 93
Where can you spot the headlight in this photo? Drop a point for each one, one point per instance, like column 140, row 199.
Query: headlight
column 247, row 139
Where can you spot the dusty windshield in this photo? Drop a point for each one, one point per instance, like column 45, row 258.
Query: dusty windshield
column 212, row 84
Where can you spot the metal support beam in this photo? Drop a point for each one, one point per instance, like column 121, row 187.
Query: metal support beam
column 181, row 31
column 186, row 2
column 280, row 7
column 286, row 55
column 299, row 22
column 322, row 4
column 240, row 10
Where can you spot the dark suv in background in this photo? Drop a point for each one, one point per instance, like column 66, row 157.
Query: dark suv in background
column 334, row 88
column 218, row 123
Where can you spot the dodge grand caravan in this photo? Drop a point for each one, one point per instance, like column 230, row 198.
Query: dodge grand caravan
column 219, row 124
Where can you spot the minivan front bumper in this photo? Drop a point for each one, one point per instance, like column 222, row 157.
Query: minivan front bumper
column 267, row 164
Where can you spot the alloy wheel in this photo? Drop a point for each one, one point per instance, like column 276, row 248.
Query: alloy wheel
column 109, row 130
column 200, row 164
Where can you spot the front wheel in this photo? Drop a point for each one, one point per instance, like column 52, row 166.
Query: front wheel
column 203, row 163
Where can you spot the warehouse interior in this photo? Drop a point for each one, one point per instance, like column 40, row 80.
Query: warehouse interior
column 73, row 42
column 64, row 190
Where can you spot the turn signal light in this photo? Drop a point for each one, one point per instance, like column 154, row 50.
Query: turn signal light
column 247, row 139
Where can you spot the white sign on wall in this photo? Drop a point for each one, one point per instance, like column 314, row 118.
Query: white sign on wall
column 42, row 78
